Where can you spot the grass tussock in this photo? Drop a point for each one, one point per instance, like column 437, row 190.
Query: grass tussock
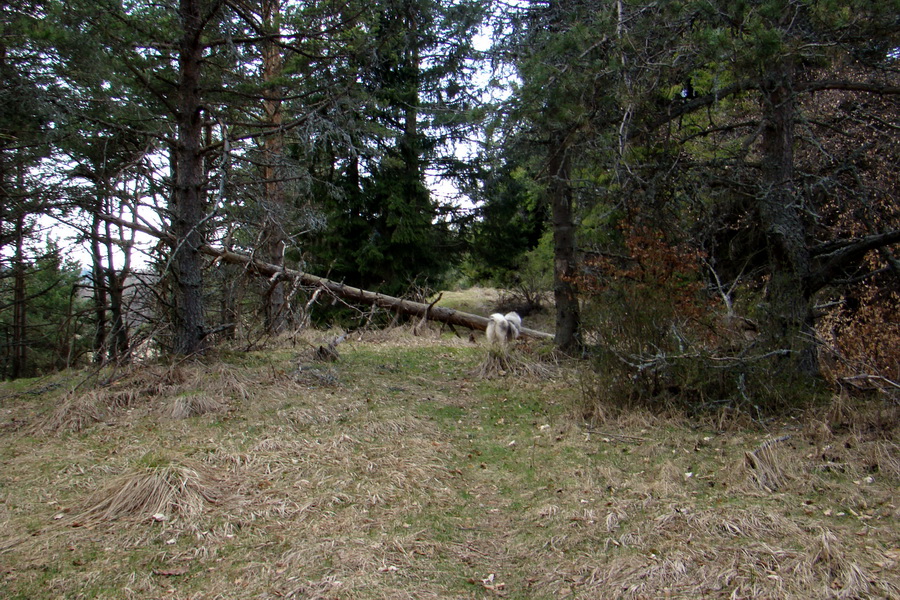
column 764, row 465
column 194, row 405
column 75, row 413
column 522, row 363
column 152, row 492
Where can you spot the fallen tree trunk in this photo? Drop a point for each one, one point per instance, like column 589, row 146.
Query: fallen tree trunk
column 353, row 294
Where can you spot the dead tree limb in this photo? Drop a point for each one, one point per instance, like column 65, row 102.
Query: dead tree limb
column 352, row 294
column 427, row 313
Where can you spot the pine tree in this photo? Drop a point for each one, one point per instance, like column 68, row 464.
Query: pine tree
column 560, row 119
column 26, row 137
column 413, row 72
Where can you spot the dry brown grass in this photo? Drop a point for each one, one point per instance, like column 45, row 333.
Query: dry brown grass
column 396, row 472
column 193, row 405
column 75, row 413
column 498, row 362
column 156, row 492
column 764, row 465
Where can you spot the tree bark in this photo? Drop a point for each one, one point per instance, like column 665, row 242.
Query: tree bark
column 273, row 236
column 119, row 343
column 834, row 258
column 790, row 317
column 20, row 316
column 188, row 196
column 568, row 313
column 98, row 278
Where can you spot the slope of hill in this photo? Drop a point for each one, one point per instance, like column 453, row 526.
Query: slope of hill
column 399, row 471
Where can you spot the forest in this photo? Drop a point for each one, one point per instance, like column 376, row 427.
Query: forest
column 702, row 193
column 248, row 249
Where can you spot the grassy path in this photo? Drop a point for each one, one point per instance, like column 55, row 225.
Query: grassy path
column 397, row 472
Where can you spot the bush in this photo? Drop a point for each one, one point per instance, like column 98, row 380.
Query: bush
column 657, row 339
column 530, row 285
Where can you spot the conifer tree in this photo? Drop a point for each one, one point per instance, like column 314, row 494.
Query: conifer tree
column 26, row 139
column 413, row 71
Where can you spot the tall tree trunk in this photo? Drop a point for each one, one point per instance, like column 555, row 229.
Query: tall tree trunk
column 19, row 360
column 111, row 334
column 115, row 284
column 559, row 196
column 188, row 195
column 273, row 242
column 119, row 350
column 98, row 277
column 790, row 318
column 568, row 313
column 121, row 333
column 5, row 354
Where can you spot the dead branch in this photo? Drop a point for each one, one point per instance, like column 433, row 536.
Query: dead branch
column 418, row 326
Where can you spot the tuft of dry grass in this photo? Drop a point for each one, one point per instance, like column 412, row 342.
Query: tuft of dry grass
column 176, row 386
column 512, row 361
column 75, row 413
column 78, row 411
column 764, row 465
column 193, row 405
column 153, row 492
column 497, row 361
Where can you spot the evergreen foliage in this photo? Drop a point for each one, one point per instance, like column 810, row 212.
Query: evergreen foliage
column 727, row 127
column 57, row 328
column 512, row 221
column 384, row 230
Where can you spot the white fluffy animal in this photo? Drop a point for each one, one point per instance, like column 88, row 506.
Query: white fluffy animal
column 504, row 328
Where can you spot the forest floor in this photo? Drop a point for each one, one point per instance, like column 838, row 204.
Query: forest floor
column 406, row 469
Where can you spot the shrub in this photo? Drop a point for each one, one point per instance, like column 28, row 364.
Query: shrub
column 657, row 339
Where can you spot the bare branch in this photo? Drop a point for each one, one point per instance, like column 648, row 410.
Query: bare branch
column 840, row 255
